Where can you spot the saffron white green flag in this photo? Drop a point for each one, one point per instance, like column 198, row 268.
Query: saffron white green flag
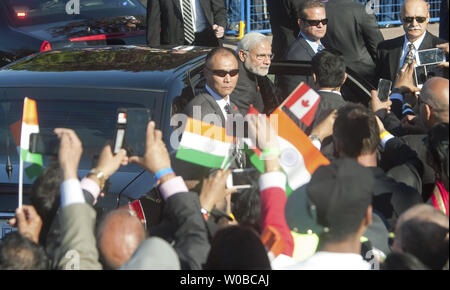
column 21, row 131
column 205, row 144
column 299, row 157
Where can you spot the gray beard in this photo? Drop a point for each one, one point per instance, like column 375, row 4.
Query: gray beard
column 249, row 66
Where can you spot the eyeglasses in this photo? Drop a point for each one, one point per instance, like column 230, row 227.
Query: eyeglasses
column 315, row 22
column 410, row 19
column 222, row 73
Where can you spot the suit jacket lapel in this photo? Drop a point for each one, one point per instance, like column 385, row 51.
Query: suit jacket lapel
column 177, row 5
column 394, row 58
column 308, row 48
column 427, row 41
column 214, row 106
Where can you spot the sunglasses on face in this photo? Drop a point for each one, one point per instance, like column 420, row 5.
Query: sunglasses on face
column 410, row 19
column 222, row 73
column 316, row 22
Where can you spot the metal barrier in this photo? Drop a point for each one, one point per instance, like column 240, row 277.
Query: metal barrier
column 388, row 11
column 253, row 15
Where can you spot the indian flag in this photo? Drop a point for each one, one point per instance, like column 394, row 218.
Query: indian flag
column 205, row 144
column 299, row 157
column 303, row 103
column 21, row 131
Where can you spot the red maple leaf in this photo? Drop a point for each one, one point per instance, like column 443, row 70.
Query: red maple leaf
column 305, row 103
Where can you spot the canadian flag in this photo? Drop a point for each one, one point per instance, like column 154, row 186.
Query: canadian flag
column 303, row 103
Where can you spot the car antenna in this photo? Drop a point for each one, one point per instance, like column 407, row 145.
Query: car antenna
column 120, row 193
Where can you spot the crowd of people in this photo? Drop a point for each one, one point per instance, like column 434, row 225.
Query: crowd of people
column 380, row 203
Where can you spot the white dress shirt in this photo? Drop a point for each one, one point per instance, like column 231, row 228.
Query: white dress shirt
column 222, row 102
column 314, row 45
column 199, row 18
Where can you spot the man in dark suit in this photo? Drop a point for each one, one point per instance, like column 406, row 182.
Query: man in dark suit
column 214, row 104
column 355, row 33
column 186, row 22
column 313, row 26
column 255, row 53
column 283, row 21
column 391, row 54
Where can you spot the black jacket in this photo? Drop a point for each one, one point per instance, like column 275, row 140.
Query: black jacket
column 299, row 50
column 410, row 150
column 247, row 91
column 165, row 20
column 183, row 225
column 355, row 34
column 390, row 51
column 392, row 198
column 283, row 21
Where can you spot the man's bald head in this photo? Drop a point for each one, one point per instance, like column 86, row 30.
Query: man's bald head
column 423, row 232
column 434, row 93
column 119, row 235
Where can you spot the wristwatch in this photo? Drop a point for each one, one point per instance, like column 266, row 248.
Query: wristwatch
column 99, row 175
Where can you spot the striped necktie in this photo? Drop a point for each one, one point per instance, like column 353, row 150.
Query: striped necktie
column 410, row 54
column 319, row 47
column 188, row 21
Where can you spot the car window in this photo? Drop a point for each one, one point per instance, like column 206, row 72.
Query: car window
column 93, row 119
column 26, row 12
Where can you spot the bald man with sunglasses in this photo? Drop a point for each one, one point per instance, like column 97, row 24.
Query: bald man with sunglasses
column 391, row 54
column 213, row 104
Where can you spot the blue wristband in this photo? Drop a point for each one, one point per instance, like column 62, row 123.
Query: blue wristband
column 163, row 172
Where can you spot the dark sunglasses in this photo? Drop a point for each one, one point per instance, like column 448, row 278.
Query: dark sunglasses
column 222, row 73
column 316, row 22
column 410, row 19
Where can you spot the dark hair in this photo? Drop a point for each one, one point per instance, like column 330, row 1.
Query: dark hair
column 426, row 240
column 402, row 261
column 437, row 144
column 356, row 131
column 308, row 4
column 45, row 197
column 45, row 191
column 246, row 207
column 20, row 253
column 223, row 50
column 329, row 67
column 237, row 248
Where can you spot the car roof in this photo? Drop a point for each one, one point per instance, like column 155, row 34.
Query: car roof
column 133, row 67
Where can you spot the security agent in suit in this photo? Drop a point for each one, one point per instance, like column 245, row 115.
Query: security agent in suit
column 166, row 25
column 313, row 26
column 255, row 52
column 355, row 33
column 214, row 104
column 283, row 21
column 392, row 53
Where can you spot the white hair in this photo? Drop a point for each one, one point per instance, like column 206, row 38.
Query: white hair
column 251, row 40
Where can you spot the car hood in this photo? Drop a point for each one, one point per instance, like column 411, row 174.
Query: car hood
column 63, row 30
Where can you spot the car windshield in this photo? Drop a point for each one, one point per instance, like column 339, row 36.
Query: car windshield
column 32, row 12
